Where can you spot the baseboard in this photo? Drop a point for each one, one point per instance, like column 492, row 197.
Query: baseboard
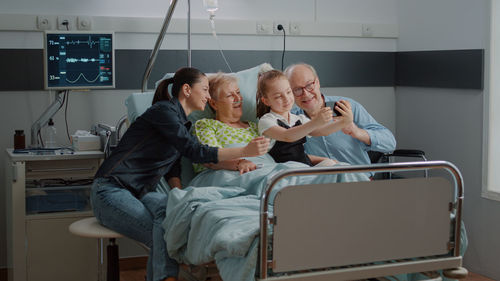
column 133, row 263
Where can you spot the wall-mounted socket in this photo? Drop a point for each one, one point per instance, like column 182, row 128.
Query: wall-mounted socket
column 294, row 28
column 43, row 23
column 283, row 23
column 264, row 27
column 66, row 22
column 83, row 23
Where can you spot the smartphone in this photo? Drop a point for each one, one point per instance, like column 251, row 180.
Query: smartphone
column 332, row 105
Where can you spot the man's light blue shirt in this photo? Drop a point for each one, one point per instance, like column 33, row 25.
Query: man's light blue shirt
column 345, row 148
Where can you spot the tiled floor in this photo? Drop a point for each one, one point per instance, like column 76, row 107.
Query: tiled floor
column 476, row 277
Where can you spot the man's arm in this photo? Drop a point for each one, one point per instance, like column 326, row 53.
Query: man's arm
column 367, row 130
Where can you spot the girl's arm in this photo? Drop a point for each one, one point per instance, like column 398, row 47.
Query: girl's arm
column 340, row 122
column 296, row 133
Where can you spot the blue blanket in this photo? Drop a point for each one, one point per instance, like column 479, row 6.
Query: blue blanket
column 217, row 217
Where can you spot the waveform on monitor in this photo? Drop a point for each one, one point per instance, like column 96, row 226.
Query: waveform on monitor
column 75, row 60
column 89, row 42
column 85, row 78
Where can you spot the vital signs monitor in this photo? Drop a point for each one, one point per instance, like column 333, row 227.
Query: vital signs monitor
column 79, row 60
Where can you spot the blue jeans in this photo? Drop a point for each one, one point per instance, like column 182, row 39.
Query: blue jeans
column 139, row 219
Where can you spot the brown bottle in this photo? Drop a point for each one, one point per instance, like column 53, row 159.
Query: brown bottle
column 19, row 140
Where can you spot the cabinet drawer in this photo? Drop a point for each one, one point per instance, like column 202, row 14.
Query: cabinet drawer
column 57, row 199
column 76, row 168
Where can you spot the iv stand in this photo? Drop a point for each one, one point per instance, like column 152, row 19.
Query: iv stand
column 159, row 40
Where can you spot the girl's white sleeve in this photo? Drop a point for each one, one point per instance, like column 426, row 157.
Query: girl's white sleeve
column 265, row 122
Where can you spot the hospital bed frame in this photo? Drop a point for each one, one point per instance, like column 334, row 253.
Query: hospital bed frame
column 316, row 259
column 420, row 235
column 354, row 241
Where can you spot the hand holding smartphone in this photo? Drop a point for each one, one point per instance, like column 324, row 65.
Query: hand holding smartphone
column 332, row 105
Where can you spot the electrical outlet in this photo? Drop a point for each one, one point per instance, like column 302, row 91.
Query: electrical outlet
column 83, row 23
column 43, row 23
column 264, row 27
column 294, row 28
column 276, row 24
column 65, row 22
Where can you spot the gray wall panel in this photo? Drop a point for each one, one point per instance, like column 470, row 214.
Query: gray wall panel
column 441, row 69
column 22, row 69
column 349, row 69
column 336, row 69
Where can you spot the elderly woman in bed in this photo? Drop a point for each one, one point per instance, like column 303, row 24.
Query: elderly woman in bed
column 227, row 129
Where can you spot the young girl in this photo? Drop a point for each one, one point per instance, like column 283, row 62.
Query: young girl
column 287, row 131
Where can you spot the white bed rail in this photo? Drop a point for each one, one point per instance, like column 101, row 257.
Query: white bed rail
column 455, row 204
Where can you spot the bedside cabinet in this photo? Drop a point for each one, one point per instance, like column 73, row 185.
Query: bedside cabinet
column 44, row 195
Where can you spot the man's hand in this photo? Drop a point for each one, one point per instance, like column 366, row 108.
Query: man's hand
column 346, row 117
column 357, row 133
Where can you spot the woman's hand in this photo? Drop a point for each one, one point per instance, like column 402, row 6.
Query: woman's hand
column 245, row 166
column 256, row 147
column 344, row 107
column 324, row 116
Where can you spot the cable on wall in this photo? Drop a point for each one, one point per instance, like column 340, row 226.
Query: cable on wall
column 280, row 27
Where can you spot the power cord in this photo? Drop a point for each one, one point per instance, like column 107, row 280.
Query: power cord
column 280, row 27
column 66, row 23
column 66, row 98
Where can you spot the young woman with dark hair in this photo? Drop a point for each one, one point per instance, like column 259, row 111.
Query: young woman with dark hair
column 123, row 193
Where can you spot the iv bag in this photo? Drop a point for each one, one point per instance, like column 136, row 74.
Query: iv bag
column 210, row 5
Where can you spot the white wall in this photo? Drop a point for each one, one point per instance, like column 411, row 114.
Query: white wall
column 87, row 108
column 448, row 123
column 384, row 11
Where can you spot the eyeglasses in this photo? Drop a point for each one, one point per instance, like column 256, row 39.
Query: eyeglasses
column 299, row 91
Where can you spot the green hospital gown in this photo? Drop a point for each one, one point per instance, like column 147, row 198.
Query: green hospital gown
column 217, row 134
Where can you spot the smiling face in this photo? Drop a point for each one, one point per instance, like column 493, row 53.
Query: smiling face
column 301, row 80
column 198, row 94
column 228, row 102
column 278, row 96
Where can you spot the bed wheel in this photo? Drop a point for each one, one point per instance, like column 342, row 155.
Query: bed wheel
column 456, row 273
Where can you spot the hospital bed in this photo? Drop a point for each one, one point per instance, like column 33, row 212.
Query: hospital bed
column 352, row 230
column 340, row 231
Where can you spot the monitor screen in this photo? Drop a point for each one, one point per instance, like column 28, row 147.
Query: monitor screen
column 79, row 60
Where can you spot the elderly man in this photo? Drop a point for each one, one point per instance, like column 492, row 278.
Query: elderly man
column 350, row 145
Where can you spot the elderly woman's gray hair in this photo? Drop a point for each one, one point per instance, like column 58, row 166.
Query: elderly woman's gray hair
column 217, row 82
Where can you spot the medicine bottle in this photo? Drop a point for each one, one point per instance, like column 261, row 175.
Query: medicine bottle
column 50, row 135
column 19, row 140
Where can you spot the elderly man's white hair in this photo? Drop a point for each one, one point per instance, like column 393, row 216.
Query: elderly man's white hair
column 289, row 70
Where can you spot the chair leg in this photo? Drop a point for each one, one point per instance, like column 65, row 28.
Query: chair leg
column 113, row 269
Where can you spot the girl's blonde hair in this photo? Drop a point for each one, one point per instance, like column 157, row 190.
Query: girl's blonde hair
column 262, row 86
